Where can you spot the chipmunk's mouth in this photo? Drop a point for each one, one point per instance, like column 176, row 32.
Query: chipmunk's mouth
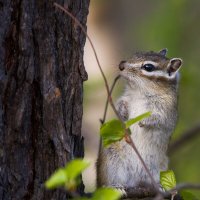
column 127, row 75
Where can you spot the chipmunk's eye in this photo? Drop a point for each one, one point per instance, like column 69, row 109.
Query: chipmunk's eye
column 148, row 67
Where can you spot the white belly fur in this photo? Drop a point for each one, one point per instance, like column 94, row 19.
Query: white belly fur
column 129, row 171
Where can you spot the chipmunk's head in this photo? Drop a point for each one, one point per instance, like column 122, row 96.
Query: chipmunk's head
column 151, row 69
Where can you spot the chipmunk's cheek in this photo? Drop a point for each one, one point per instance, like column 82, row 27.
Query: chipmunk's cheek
column 134, row 74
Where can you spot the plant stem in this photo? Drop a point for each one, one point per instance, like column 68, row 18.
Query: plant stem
column 107, row 101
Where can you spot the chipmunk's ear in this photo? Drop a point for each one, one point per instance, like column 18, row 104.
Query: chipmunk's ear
column 174, row 65
column 163, row 52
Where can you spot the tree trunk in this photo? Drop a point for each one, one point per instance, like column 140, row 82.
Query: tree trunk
column 41, row 79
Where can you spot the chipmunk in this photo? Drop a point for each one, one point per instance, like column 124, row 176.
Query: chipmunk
column 152, row 85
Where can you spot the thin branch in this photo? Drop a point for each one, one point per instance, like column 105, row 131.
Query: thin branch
column 144, row 192
column 191, row 186
column 185, row 138
column 107, row 101
column 147, row 191
column 127, row 136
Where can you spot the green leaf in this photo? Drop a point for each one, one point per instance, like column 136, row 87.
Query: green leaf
column 106, row 193
column 112, row 131
column 167, row 179
column 136, row 119
column 75, row 168
column 57, row 179
column 188, row 196
column 67, row 176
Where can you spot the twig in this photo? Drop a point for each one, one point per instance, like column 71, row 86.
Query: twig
column 127, row 136
column 191, row 186
column 143, row 192
column 107, row 101
column 185, row 138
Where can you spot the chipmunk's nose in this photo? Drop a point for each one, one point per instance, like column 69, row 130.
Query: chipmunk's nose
column 121, row 65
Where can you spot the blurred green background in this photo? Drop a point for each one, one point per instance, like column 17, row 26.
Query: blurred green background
column 118, row 28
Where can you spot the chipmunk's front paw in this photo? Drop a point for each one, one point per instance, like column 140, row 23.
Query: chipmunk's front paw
column 141, row 124
column 145, row 123
column 149, row 122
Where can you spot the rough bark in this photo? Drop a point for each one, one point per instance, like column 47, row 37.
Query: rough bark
column 41, row 78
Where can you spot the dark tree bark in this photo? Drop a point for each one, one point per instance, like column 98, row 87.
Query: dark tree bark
column 41, row 79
